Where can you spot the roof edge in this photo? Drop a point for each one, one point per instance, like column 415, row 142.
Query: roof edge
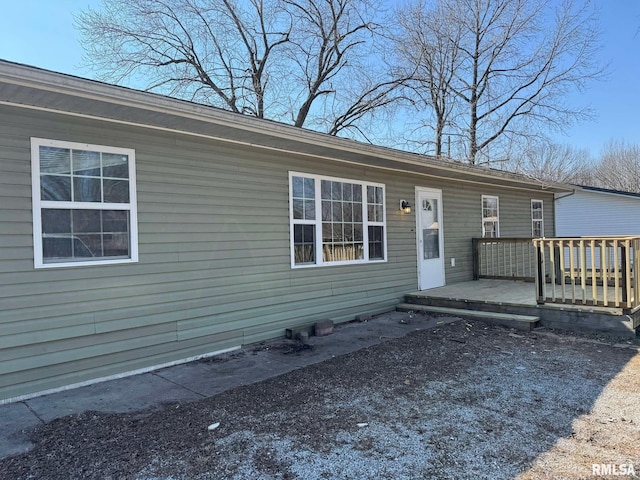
column 48, row 80
column 608, row 191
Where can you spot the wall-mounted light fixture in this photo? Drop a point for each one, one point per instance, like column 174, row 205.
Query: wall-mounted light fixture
column 405, row 206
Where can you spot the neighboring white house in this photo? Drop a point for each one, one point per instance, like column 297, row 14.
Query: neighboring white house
column 591, row 211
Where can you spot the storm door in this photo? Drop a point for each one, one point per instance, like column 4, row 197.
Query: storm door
column 429, row 238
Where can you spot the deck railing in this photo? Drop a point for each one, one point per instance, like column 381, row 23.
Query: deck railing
column 504, row 258
column 588, row 271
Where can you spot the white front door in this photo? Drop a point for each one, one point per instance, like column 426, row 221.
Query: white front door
column 429, row 238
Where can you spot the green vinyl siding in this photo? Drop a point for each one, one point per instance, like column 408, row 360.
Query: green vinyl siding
column 462, row 221
column 214, row 266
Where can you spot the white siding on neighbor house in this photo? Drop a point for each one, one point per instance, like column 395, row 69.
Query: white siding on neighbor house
column 589, row 213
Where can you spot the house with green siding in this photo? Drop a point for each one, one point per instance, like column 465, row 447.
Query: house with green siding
column 138, row 231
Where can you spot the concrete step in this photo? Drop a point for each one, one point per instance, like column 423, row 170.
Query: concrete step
column 519, row 322
column 475, row 305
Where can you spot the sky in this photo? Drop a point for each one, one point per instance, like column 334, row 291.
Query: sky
column 41, row 33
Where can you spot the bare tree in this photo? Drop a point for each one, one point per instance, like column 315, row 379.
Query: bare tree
column 280, row 59
column 618, row 167
column 515, row 61
column 554, row 163
column 374, row 96
column 332, row 49
column 211, row 52
column 428, row 52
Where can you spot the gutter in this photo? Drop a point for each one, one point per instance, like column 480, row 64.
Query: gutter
column 573, row 192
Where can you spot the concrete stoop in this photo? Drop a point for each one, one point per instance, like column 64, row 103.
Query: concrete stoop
column 512, row 320
column 580, row 318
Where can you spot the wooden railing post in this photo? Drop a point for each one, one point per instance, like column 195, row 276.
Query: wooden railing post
column 556, row 260
column 604, row 272
column 476, row 258
column 594, row 272
column 540, row 271
column 554, row 269
column 635, row 274
column 623, row 272
column 583, row 271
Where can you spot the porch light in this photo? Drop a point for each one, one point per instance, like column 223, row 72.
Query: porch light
column 405, row 206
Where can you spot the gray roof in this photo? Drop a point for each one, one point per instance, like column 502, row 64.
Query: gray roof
column 32, row 87
column 608, row 191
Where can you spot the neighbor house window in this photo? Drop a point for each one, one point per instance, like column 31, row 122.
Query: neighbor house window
column 84, row 204
column 490, row 217
column 537, row 221
column 336, row 221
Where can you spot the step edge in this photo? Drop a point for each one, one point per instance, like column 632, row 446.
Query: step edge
column 475, row 313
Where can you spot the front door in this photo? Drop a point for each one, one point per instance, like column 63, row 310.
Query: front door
column 429, row 238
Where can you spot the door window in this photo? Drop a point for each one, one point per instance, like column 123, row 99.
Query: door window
column 430, row 229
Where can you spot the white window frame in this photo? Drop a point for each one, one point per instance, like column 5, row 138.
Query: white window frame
column 39, row 204
column 495, row 220
column 537, row 220
column 318, row 221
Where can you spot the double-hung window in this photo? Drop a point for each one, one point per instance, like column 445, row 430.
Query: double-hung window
column 537, row 220
column 336, row 221
column 490, row 217
column 84, row 204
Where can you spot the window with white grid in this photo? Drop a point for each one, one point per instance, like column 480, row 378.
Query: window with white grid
column 84, row 204
column 336, row 221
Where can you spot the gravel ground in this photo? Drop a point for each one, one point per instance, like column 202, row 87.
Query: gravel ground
column 461, row 401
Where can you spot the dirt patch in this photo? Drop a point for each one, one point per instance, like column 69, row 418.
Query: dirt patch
column 463, row 400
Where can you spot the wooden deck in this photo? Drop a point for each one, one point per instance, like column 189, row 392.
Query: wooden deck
column 581, row 271
column 508, row 296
